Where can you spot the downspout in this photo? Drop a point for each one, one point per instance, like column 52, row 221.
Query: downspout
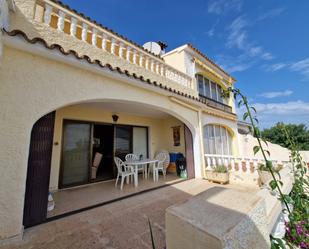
column 199, row 116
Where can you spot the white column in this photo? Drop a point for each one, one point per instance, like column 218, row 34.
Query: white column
column 84, row 32
column 94, row 37
column 60, row 23
column 47, row 14
column 128, row 53
column 134, row 57
column 113, row 46
column 121, row 50
column 104, row 41
column 73, row 26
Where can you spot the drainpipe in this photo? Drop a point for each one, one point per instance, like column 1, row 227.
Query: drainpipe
column 199, row 115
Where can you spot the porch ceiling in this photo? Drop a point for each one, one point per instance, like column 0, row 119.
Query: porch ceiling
column 129, row 108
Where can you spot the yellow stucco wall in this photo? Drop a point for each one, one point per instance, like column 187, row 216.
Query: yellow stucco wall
column 160, row 131
column 32, row 86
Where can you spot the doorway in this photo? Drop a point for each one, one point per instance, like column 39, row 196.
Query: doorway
column 88, row 150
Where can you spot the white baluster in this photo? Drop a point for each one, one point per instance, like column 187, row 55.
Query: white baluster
column 73, row 26
column 232, row 164
column 147, row 63
column 128, row 53
column 84, row 32
column 60, row 23
column 104, row 41
column 151, row 66
column 219, row 161
column 162, row 70
column 121, row 50
column 157, row 67
column 214, row 162
column 141, row 58
column 226, row 162
column 247, row 165
column 208, row 163
column 94, row 37
column 134, row 57
column 47, row 14
column 113, row 46
column 255, row 165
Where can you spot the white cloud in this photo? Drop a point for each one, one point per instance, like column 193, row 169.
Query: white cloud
column 233, row 64
column 288, row 108
column 271, row 95
column 270, row 14
column 268, row 114
column 238, row 38
column 220, row 7
column 302, row 67
column 275, row 67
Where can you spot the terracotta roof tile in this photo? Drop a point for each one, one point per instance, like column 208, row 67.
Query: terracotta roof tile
column 211, row 61
column 99, row 63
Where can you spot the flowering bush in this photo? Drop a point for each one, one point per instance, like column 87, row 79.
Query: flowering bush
column 298, row 233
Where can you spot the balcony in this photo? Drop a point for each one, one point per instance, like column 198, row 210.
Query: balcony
column 215, row 104
column 110, row 47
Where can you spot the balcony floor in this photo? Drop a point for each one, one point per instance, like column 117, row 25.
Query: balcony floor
column 71, row 199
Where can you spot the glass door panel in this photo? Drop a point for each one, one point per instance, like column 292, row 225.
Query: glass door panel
column 123, row 142
column 75, row 153
column 140, row 141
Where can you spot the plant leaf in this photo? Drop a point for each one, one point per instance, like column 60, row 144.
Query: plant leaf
column 256, row 149
column 246, row 114
column 253, row 108
column 272, row 184
column 240, row 102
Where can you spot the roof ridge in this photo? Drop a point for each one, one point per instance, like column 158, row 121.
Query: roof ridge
column 208, row 59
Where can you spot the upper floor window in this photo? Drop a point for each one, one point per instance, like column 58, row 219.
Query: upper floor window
column 217, row 140
column 209, row 89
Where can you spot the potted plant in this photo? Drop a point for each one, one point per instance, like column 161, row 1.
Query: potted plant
column 264, row 173
column 218, row 174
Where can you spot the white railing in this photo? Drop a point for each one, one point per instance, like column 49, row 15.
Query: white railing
column 80, row 28
column 246, row 165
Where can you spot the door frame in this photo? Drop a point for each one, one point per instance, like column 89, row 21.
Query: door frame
column 92, row 123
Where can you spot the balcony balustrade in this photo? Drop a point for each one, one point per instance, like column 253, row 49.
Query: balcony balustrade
column 81, row 28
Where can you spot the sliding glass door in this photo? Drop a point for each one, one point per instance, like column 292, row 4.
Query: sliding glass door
column 75, row 153
column 123, row 143
column 140, row 141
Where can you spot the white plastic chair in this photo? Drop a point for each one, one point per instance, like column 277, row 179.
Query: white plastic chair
column 123, row 171
column 134, row 157
column 161, row 157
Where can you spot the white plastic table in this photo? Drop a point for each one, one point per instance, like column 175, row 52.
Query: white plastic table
column 136, row 163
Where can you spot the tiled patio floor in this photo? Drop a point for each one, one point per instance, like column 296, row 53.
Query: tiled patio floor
column 121, row 224
column 67, row 200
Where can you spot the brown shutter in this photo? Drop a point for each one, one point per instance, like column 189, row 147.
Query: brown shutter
column 38, row 172
column 189, row 153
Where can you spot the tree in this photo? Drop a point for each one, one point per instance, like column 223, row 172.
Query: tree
column 300, row 134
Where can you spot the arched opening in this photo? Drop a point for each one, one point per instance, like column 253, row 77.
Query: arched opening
column 110, row 128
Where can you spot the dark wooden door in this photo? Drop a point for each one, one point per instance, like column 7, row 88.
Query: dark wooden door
column 189, row 153
column 38, row 173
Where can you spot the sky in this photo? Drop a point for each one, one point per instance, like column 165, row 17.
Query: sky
column 263, row 44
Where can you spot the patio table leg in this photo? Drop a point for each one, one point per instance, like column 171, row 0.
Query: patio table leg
column 136, row 176
column 153, row 172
